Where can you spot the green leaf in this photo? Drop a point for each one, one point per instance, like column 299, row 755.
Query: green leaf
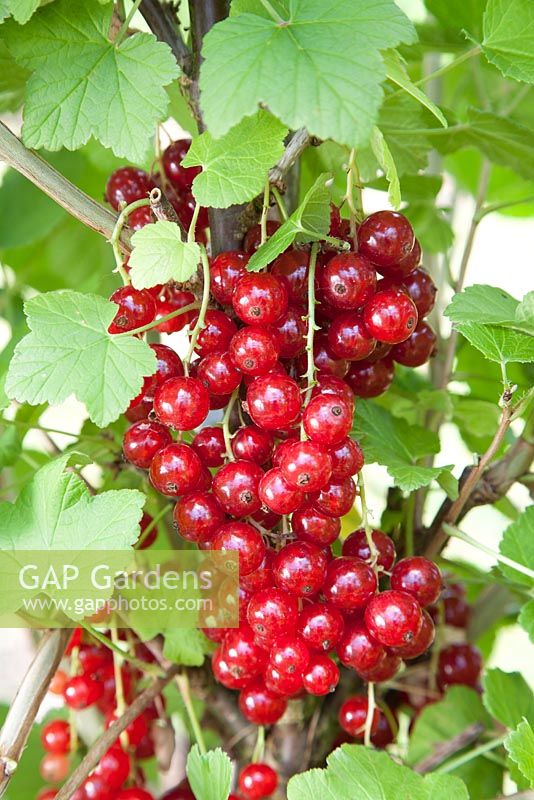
column 524, row 313
column 508, row 697
column 475, row 417
column 499, row 344
column 20, row 10
column 105, row 86
column 385, row 159
column 10, row 446
column 12, row 80
column 396, row 72
column 309, row 222
column 55, row 511
column 69, row 351
column 331, row 88
column 520, row 746
column 484, row 304
column 526, row 619
column 434, row 230
column 209, row 774
column 410, row 148
column 234, row 167
column 509, row 38
column 396, row 445
column 184, row 646
column 159, row 255
column 458, row 14
column 517, row 543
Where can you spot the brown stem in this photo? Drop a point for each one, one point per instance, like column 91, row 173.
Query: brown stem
column 295, row 147
column 56, row 186
column 447, row 749
column 25, row 706
column 106, row 739
column 161, row 19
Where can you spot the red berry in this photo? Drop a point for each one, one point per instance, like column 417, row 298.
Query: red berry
column 323, row 358
column 135, row 731
column 390, row 316
column 222, row 672
column 320, row 625
column 47, row 794
column 170, row 300
column 336, row 498
column 312, row 525
column 353, row 715
column 253, row 444
column 136, row 308
column 407, row 264
column 218, row 374
column 380, row 352
column 418, row 348
column 385, row 670
column 225, row 271
column 254, row 350
column 277, row 494
column 142, row 441
column 291, row 333
column 181, row 403
column 243, row 656
column 419, row 577
column 349, row 583
column 370, row 379
column 289, row 654
column 257, row 781
column 293, row 266
column 272, row 612
column 241, row 538
column 55, row 736
column 348, row 337
column 358, row 649
column 421, row 642
column 181, row 177
column 261, row 578
column 347, row 459
column 330, row 384
column 261, row 706
column 82, row 691
column 356, row 545
column 252, row 238
column 168, row 363
column 198, row 516
column 114, row 767
column 126, row 185
column 459, row 663
column 180, row 792
column 394, row 618
column 94, row 657
column 306, row 466
column 216, row 334
column 260, row 298
column 210, row 446
column 236, row 487
column 58, row 682
column 300, row 568
column 457, row 610
column 386, row 238
column 347, row 281
column 274, row 402
column 283, row 683
column 327, row 419
column 175, row 470
column 421, row 289
column 134, row 793
column 54, row 767
column 321, row 675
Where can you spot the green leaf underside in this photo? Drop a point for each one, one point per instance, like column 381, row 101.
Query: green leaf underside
column 309, row 222
column 234, row 167
column 385, row 159
column 185, row 646
column 396, row 445
column 69, row 351
column 517, row 543
column 209, row 775
column 159, row 255
column 520, row 747
column 509, row 37
column 320, row 68
column 396, row 72
column 508, row 697
column 83, row 85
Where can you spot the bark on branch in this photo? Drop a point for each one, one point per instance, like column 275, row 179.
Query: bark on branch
column 447, row 749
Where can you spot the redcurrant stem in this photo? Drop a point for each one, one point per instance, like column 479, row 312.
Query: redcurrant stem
column 259, row 749
column 124, row 27
column 456, row 533
column 226, row 425
column 280, row 203
column 371, row 707
column 203, row 308
column 150, row 669
column 74, row 667
column 365, row 520
column 182, row 681
column 390, row 716
column 31, row 427
column 159, row 321
column 120, row 702
column 193, row 225
column 454, row 763
column 409, row 524
column 265, row 211
column 355, row 204
column 116, row 235
column 311, row 369
column 150, row 527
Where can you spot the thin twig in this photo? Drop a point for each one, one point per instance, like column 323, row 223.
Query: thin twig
column 295, row 147
column 445, row 750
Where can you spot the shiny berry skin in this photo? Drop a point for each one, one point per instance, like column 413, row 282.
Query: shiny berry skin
column 300, row 568
column 134, row 793
column 168, row 363
column 291, row 333
column 218, row 374
column 261, row 578
column 356, row 545
column 419, row 577
column 327, row 419
column 82, row 691
column 241, row 538
column 261, row 706
column 254, row 350
column 58, row 682
column 209, row 445
column 243, row 655
column 394, row 618
column 126, row 185
column 330, row 384
column 311, row 525
column 407, row 264
column 347, row 459
column 236, row 487
column 390, row 316
column 260, row 298
column 225, row 270
column 95, row 788
column 217, row 333
column 421, row 642
column 336, row 498
column 349, row 583
column 347, row 281
column 47, row 794
column 137, row 307
column 93, row 658
column 198, row 516
column 144, row 542
column 289, row 654
column 257, row 781
column 371, row 379
column 348, row 337
column 358, row 649
column 136, row 730
column 283, row 683
column 253, row 444
column 418, row 348
column 421, row 289
column 293, row 266
column 252, row 239
column 353, row 715
column 323, row 358
column 179, row 176
column 55, row 736
column 272, row 612
column 320, row 625
column 386, row 238
column 114, row 767
column 54, row 767
column 459, row 663
column 321, row 675
column 175, row 470
column 457, row 609
column 306, row 466
column 180, row 792
column 173, row 300
column 181, row 403
column 277, row 494
column 380, row 352
column 142, row 441
column 224, row 672
column 274, row 402
column 385, row 670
